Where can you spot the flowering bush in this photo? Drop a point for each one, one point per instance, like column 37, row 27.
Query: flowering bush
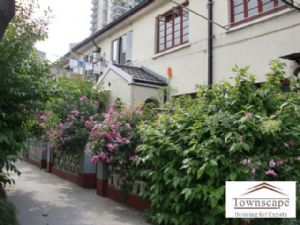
column 72, row 134
column 114, row 142
column 229, row 133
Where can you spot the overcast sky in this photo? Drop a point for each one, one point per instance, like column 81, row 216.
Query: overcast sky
column 71, row 23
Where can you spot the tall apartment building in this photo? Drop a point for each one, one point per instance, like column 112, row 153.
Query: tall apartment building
column 105, row 11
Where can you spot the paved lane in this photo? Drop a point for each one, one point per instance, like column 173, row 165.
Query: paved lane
column 44, row 199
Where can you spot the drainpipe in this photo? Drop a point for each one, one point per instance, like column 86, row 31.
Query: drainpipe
column 210, row 42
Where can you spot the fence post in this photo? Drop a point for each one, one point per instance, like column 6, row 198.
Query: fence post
column 102, row 179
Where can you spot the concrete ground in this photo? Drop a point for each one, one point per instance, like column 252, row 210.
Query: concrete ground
column 44, row 199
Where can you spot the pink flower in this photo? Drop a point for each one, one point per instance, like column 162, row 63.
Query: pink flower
column 128, row 126
column 298, row 158
column 111, row 147
column 246, row 162
column 75, row 112
column 88, row 123
column 253, row 171
column 94, row 159
column 279, row 163
column 84, row 99
column 96, row 104
column 248, row 115
column 272, row 163
column 271, row 172
column 131, row 158
column 102, row 156
column 109, row 160
column 286, row 145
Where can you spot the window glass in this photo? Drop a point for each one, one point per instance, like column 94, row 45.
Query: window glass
column 129, row 47
column 267, row 4
column 173, row 29
column 252, row 7
column 115, row 51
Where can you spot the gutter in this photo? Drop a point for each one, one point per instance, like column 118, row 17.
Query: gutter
column 210, row 42
column 129, row 13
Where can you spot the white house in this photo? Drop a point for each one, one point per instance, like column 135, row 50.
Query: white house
column 174, row 40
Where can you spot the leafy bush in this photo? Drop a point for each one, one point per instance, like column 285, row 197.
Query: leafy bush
column 7, row 211
column 23, row 83
column 229, row 133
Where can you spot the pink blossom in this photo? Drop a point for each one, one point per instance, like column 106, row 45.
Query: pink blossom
column 272, row 163
column 279, row 163
column 286, row 145
column 271, row 172
column 128, row 126
column 102, row 156
column 96, row 104
column 111, row 147
column 88, row 123
column 75, row 112
column 84, row 99
column 131, row 158
column 246, row 162
column 94, row 159
column 109, row 160
column 253, row 171
column 298, row 158
column 248, row 115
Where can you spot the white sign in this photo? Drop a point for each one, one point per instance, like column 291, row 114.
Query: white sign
column 260, row 199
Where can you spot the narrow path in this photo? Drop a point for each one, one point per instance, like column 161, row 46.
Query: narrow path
column 44, row 199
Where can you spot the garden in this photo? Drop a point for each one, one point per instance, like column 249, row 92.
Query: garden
column 179, row 158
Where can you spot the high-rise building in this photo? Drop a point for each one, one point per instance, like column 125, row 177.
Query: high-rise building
column 105, row 11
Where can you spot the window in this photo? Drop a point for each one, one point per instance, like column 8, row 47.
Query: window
column 244, row 10
column 122, row 49
column 172, row 29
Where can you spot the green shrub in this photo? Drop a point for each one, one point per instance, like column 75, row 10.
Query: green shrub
column 229, row 133
column 7, row 211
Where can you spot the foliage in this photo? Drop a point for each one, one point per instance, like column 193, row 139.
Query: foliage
column 114, row 142
column 7, row 211
column 23, row 83
column 229, row 133
column 66, row 93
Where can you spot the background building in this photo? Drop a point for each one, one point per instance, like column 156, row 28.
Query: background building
column 105, row 11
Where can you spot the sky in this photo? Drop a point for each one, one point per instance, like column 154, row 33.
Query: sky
column 71, row 23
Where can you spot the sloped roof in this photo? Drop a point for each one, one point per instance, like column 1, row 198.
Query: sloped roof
column 142, row 75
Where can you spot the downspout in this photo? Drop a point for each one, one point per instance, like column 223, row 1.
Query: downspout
column 210, row 42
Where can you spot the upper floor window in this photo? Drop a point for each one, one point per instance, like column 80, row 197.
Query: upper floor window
column 244, row 10
column 172, row 29
column 122, row 49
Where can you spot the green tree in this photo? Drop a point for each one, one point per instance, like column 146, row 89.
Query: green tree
column 23, row 82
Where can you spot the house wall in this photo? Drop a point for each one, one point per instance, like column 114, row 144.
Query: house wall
column 119, row 88
column 141, row 93
column 254, row 43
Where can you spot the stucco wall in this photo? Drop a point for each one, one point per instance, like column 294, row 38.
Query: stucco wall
column 118, row 88
column 140, row 94
column 267, row 38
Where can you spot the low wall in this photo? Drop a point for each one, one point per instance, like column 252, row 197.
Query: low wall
column 75, row 168
column 109, row 185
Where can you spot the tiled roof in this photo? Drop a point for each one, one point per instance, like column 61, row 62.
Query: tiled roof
column 142, row 75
